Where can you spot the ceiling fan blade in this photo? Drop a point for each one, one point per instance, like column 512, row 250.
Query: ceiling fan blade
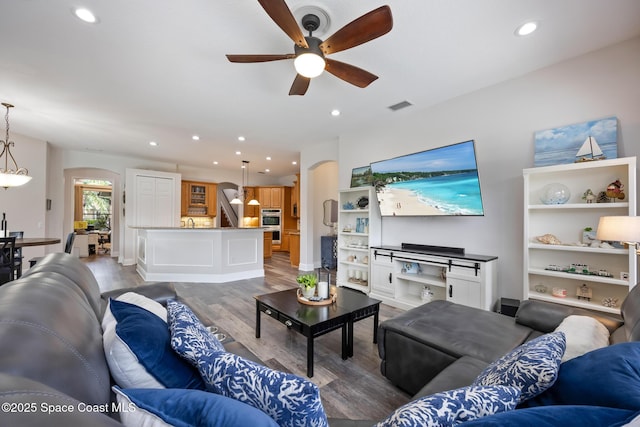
column 369, row 26
column 282, row 16
column 300, row 85
column 349, row 73
column 259, row 58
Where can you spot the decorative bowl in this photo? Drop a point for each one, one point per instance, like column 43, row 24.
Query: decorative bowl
column 555, row 194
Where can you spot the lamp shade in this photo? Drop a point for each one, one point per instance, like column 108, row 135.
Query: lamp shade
column 236, row 200
column 8, row 179
column 619, row 229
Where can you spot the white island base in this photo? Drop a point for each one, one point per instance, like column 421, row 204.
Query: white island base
column 212, row 255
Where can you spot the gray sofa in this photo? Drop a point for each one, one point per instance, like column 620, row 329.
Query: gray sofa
column 52, row 354
column 442, row 346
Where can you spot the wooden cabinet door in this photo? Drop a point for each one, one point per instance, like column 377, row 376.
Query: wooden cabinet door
column 295, row 198
column 184, row 198
column 212, row 199
column 251, row 211
column 264, row 197
column 277, row 195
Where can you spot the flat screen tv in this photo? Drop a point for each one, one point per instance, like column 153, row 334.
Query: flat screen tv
column 440, row 181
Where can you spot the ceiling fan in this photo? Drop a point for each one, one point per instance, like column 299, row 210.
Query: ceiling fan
column 310, row 52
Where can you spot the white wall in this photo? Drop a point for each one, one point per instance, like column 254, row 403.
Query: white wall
column 502, row 120
column 25, row 205
column 314, row 188
column 325, row 177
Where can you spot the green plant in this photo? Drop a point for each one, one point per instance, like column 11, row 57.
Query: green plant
column 308, row 280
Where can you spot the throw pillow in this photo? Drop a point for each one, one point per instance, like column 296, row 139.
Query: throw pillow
column 185, row 408
column 188, row 333
column 561, row 415
column 609, row 376
column 136, row 299
column 583, row 334
column 453, row 407
column 289, row 399
column 532, row 367
column 139, row 348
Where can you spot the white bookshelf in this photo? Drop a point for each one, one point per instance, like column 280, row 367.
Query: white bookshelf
column 358, row 229
column 567, row 222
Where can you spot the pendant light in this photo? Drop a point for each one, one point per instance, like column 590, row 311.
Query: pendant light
column 10, row 177
column 252, row 202
column 241, row 195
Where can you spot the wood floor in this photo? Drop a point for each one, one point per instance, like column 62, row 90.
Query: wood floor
column 352, row 388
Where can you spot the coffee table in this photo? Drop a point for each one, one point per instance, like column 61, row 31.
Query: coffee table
column 313, row 321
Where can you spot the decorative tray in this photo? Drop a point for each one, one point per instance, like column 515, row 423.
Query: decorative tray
column 303, row 300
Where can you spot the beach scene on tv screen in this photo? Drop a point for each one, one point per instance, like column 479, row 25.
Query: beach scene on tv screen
column 441, row 181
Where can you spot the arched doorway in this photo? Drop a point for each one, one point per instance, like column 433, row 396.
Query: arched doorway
column 75, row 174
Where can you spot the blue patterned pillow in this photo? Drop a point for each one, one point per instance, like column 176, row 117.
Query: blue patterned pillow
column 454, row 407
column 532, row 367
column 188, row 334
column 290, row 400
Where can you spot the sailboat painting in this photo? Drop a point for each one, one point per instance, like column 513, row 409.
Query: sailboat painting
column 582, row 142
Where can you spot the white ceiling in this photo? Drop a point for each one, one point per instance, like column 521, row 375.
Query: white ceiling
column 156, row 70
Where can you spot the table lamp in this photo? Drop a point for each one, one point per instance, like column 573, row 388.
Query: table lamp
column 625, row 229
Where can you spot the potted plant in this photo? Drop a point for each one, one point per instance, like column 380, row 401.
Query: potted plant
column 307, row 284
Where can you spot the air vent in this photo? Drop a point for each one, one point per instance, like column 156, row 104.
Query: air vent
column 400, row 105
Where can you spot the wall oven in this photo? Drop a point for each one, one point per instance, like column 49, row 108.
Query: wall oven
column 270, row 219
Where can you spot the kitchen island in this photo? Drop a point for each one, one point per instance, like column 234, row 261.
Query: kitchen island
column 200, row 255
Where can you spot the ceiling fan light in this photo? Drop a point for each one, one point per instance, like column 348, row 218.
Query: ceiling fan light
column 309, row 65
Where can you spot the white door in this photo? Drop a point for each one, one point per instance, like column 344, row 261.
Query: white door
column 163, row 203
column 145, row 201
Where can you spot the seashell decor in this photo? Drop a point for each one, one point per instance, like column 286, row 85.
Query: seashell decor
column 549, row 239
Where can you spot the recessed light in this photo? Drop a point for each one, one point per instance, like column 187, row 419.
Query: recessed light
column 153, row 143
column 195, row 138
column 294, row 163
column 238, row 153
column 526, row 28
column 242, row 138
column 335, row 113
column 268, row 157
column 267, row 170
column 215, row 162
column 85, row 15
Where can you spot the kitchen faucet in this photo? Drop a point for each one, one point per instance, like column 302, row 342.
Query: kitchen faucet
column 193, row 223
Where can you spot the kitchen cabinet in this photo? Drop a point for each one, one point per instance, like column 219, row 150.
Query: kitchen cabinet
column 606, row 273
column 249, row 210
column 198, row 199
column 294, row 249
column 268, row 239
column 271, row 197
column 295, row 198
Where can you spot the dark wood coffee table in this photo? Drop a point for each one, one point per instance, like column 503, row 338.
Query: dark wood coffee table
column 313, row 321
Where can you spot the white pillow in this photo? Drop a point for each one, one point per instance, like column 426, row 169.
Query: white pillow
column 123, row 363
column 583, row 334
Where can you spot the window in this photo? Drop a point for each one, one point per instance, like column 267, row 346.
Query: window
column 93, row 203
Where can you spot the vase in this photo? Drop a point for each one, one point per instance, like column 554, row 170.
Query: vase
column 555, row 194
column 308, row 292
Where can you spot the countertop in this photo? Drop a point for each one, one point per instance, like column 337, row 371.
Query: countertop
column 199, row 228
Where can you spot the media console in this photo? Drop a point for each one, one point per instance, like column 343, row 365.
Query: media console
column 409, row 275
